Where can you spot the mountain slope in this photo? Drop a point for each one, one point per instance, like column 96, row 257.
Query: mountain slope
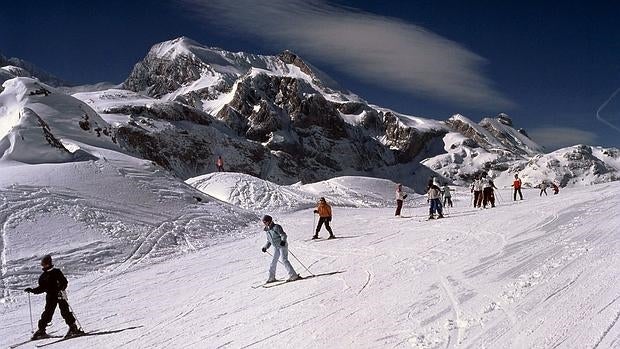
column 476, row 279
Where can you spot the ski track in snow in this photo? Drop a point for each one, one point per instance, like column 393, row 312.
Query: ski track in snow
column 533, row 273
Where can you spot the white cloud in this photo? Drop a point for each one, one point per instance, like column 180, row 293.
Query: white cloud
column 559, row 137
column 381, row 50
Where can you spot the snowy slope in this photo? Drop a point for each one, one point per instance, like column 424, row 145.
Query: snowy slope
column 259, row 195
column 539, row 273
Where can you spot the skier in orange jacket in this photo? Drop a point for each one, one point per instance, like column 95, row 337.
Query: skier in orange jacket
column 325, row 216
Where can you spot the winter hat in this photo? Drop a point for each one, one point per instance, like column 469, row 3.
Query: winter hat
column 47, row 259
column 267, row 218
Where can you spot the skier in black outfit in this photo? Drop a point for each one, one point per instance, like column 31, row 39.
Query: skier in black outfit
column 54, row 284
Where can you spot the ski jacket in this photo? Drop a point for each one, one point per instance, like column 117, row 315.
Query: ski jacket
column 446, row 191
column 433, row 192
column 324, row 210
column 517, row 183
column 51, row 282
column 488, row 183
column 400, row 195
column 275, row 234
column 477, row 185
column 219, row 162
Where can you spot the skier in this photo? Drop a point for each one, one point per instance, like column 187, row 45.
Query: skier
column 400, row 197
column 434, row 200
column 447, row 196
column 487, row 192
column 517, row 188
column 277, row 237
column 555, row 187
column 220, row 164
column 325, row 216
column 54, row 284
column 476, row 188
column 543, row 188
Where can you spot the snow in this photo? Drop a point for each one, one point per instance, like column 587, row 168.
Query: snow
column 258, row 195
column 479, row 278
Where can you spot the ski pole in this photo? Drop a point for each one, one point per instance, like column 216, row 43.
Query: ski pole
column 30, row 308
column 308, row 270
column 272, row 256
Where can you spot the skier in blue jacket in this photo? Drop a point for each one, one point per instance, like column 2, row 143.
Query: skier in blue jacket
column 277, row 237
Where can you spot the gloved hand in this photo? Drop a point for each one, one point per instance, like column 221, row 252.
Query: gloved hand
column 29, row 290
column 264, row 249
column 405, row 196
column 282, row 243
column 329, row 219
column 316, row 211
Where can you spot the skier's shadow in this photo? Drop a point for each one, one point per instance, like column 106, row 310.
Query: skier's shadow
column 115, row 331
column 340, row 237
column 325, row 274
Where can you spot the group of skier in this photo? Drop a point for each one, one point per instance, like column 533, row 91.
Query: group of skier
column 437, row 197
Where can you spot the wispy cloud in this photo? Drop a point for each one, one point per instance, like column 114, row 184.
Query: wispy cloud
column 559, row 137
column 381, row 50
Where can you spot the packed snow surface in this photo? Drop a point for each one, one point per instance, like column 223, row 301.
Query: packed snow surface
column 538, row 273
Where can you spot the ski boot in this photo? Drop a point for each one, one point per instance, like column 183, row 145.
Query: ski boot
column 316, row 236
column 39, row 334
column 294, row 277
column 431, row 217
column 331, row 236
column 74, row 331
column 440, row 216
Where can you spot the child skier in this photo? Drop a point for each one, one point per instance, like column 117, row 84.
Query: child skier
column 543, row 188
column 434, row 199
column 400, row 197
column 54, row 284
column 277, row 237
column 476, row 188
column 555, row 187
column 488, row 196
column 325, row 216
column 447, row 196
column 517, row 188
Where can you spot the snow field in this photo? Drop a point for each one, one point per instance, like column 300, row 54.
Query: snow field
column 538, row 273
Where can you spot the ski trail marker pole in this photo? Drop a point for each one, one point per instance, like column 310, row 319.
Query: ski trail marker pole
column 30, row 307
column 308, row 270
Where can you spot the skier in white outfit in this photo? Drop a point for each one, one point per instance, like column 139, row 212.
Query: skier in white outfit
column 277, row 237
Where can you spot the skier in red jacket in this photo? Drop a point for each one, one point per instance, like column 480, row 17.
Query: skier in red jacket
column 517, row 187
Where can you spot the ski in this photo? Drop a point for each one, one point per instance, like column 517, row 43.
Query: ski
column 269, row 283
column 32, row 340
column 87, row 334
column 282, row 282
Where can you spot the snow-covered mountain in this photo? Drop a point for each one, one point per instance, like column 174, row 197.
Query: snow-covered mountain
column 15, row 67
column 281, row 119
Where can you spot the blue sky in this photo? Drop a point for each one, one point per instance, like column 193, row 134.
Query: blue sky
column 548, row 65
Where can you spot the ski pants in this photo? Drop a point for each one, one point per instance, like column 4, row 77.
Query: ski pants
column 477, row 198
column 517, row 190
column 324, row 220
column 543, row 191
column 435, row 206
column 50, row 306
column 488, row 197
column 448, row 200
column 399, row 206
column 277, row 252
